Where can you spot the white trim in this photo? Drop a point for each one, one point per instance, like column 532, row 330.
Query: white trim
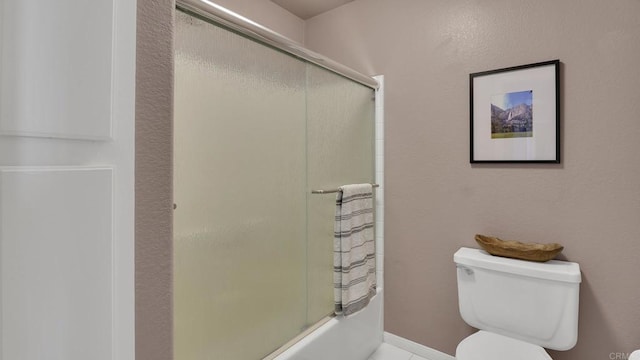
column 379, row 178
column 415, row 348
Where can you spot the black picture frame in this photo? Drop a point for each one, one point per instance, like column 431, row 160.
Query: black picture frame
column 515, row 114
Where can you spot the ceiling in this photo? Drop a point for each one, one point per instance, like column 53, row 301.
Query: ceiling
column 306, row 9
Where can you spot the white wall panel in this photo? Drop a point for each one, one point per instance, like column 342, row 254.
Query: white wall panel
column 56, row 257
column 56, row 68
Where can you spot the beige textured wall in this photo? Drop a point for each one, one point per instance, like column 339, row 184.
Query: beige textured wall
column 436, row 201
column 154, row 116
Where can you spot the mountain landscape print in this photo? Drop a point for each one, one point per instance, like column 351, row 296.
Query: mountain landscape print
column 512, row 115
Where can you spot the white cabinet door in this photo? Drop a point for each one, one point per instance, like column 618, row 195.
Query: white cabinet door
column 67, row 80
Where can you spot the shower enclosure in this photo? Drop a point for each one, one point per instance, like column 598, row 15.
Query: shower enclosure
column 255, row 130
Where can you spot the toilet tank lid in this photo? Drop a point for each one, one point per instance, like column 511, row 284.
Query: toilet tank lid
column 551, row 270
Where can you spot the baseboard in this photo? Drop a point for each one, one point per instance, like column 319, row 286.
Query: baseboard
column 414, row 347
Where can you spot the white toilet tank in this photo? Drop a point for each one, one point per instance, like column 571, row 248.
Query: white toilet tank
column 534, row 302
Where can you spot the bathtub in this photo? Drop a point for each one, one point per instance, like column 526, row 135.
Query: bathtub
column 354, row 338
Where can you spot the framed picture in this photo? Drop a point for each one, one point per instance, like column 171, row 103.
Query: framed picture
column 515, row 114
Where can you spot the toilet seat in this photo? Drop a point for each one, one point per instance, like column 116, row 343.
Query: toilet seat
column 484, row 345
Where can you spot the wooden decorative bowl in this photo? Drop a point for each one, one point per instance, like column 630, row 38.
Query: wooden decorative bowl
column 518, row 250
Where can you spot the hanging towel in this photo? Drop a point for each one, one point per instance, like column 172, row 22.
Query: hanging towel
column 354, row 254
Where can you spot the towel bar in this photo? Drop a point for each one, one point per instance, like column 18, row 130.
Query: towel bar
column 335, row 190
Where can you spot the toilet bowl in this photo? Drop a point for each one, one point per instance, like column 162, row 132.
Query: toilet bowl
column 520, row 307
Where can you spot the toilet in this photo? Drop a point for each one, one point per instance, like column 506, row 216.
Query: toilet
column 520, row 307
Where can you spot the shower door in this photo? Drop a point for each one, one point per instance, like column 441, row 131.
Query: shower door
column 340, row 150
column 254, row 130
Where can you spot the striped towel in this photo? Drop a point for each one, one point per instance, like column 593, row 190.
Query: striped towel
column 354, row 256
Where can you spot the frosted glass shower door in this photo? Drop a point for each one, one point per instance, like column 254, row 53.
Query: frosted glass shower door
column 240, row 190
column 340, row 150
column 255, row 130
